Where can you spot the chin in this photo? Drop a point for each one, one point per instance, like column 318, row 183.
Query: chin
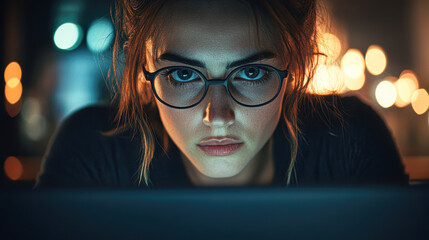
column 227, row 174
column 222, row 169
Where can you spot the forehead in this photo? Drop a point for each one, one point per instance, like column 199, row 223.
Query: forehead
column 216, row 31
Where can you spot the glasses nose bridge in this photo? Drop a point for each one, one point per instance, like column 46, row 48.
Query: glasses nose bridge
column 216, row 82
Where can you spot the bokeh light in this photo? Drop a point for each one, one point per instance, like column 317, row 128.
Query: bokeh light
column 330, row 45
column 328, row 79
column 410, row 75
column 13, row 90
column 405, row 86
column 100, row 35
column 354, row 83
column 385, row 93
column 36, row 127
column 30, row 107
column 13, row 168
column 420, row 101
column 13, row 82
column 375, row 60
column 398, row 102
column 353, row 64
column 68, row 36
column 13, row 109
column 35, row 124
column 13, row 70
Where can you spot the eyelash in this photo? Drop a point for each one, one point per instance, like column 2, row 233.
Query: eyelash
column 262, row 80
column 175, row 83
column 258, row 82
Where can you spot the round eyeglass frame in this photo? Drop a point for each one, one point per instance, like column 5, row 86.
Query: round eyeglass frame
column 151, row 78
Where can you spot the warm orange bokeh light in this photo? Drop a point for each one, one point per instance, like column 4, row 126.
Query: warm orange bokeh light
column 13, row 109
column 354, row 83
column 13, row 168
column 420, row 101
column 398, row 102
column 13, row 70
column 385, row 93
column 405, row 87
column 353, row 64
column 375, row 60
column 13, row 82
column 330, row 45
column 328, row 79
column 13, row 90
column 410, row 75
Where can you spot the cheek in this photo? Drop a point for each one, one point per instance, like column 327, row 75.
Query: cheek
column 262, row 120
column 253, row 123
column 177, row 122
column 265, row 118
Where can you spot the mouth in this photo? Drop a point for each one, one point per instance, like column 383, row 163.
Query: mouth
column 220, row 146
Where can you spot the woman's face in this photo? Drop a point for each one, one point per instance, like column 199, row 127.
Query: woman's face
column 216, row 33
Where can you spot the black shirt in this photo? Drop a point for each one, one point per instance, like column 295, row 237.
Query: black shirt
column 354, row 148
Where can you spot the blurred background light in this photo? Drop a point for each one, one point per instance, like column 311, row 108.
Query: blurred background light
column 13, row 70
column 354, row 83
column 100, row 35
column 409, row 74
column 68, row 36
column 35, row 126
column 399, row 102
column 13, row 109
column 420, row 101
column 375, row 60
column 353, row 64
column 406, row 85
column 35, row 123
column 30, row 107
column 13, row 168
column 13, row 90
column 328, row 79
column 13, row 82
column 385, row 93
column 78, row 83
column 330, row 45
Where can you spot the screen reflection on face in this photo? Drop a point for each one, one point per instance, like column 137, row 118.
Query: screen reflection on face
column 221, row 141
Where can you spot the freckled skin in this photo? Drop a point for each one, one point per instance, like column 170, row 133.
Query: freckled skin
column 217, row 32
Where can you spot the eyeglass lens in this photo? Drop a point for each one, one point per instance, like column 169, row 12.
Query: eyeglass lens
column 249, row 85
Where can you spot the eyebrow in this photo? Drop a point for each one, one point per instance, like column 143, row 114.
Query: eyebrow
column 169, row 56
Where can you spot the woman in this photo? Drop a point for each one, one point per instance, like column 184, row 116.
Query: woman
column 213, row 93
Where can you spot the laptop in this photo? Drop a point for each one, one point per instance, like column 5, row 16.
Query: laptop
column 364, row 212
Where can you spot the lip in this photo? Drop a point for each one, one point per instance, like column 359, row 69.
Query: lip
column 220, row 146
column 225, row 140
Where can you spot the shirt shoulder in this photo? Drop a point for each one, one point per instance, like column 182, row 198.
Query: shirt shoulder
column 344, row 140
column 82, row 153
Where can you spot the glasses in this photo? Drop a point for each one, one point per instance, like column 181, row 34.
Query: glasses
column 252, row 85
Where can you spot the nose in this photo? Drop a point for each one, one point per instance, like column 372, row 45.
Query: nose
column 218, row 112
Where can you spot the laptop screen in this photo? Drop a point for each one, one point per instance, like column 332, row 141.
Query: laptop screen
column 218, row 213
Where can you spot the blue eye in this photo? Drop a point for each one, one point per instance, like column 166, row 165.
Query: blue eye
column 182, row 75
column 252, row 73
